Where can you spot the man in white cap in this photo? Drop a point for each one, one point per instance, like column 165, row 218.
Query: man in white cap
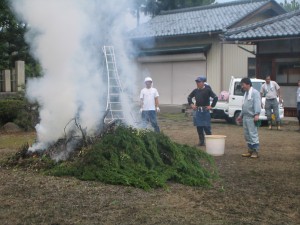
column 149, row 105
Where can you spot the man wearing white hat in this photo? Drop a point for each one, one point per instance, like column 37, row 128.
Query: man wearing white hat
column 149, row 105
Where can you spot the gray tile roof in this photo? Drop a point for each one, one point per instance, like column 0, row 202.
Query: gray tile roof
column 196, row 20
column 286, row 25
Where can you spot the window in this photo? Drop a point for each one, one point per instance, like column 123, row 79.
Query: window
column 287, row 71
column 238, row 89
column 265, row 68
column 251, row 67
column 257, row 85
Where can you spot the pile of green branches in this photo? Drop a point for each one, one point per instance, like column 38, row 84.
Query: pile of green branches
column 139, row 158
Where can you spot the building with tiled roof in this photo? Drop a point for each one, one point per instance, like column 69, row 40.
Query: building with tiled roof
column 176, row 46
column 283, row 26
column 199, row 20
column 277, row 42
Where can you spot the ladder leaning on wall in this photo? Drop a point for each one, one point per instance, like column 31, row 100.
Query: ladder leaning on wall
column 114, row 88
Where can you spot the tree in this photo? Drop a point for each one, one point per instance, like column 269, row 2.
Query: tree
column 138, row 6
column 291, row 5
column 12, row 42
column 154, row 7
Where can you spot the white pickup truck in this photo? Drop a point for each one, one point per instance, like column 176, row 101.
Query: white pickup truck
column 230, row 103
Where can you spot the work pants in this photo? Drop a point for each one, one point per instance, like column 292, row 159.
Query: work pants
column 150, row 116
column 251, row 133
column 272, row 104
column 298, row 111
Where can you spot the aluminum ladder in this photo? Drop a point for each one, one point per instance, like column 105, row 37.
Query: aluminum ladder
column 114, row 89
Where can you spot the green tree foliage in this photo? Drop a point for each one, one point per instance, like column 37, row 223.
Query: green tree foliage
column 291, row 5
column 12, row 42
column 154, row 7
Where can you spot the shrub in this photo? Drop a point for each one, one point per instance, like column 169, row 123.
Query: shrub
column 127, row 156
column 9, row 109
column 28, row 116
column 142, row 159
column 19, row 111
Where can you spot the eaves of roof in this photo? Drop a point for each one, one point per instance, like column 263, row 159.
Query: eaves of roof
column 268, row 5
column 283, row 26
column 175, row 50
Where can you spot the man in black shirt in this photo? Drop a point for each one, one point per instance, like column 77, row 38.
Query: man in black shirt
column 201, row 115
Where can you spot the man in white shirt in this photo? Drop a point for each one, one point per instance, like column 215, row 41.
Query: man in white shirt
column 250, row 115
column 271, row 90
column 149, row 105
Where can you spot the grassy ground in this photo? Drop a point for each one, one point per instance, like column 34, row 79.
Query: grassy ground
column 264, row 191
column 15, row 140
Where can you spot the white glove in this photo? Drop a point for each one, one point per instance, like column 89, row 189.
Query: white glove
column 157, row 109
column 141, row 110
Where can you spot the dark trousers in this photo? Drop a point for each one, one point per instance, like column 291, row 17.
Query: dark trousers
column 201, row 130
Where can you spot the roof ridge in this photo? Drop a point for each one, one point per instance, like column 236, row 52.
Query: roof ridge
column 264, row 22
column 211, row 6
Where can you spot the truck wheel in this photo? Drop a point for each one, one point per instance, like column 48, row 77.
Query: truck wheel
column 229, row 120
column 236, row 122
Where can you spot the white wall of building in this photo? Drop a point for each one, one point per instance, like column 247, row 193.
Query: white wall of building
column 173, row 79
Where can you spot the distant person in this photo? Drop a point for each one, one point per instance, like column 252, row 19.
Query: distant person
column 271, row 90
column 298, row 103
column 149, row 105
column 201, row 107
column 250, row 115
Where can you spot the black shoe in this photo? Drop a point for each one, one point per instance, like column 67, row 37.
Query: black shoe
column 199, row 145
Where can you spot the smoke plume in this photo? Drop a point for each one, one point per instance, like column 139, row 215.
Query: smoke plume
column 66, row 37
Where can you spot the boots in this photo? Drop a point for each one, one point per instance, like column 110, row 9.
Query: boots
column 278, row 125
column 201, row 140
column 247, row 154
column 254, row 155
column 201, row 136
column 270, row 124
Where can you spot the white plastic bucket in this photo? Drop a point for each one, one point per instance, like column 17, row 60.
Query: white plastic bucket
column 215, row 144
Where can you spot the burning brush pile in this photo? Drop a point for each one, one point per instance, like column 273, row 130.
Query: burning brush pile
column 123, row 155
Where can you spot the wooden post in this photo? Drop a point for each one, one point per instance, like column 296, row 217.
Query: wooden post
column 20, row 74
column 7, row 81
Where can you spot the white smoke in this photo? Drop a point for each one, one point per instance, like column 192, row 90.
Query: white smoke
column 66, row 37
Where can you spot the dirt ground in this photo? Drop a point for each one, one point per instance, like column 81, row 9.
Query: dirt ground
column 249, row 191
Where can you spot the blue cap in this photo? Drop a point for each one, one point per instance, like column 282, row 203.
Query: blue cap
column 200, row 79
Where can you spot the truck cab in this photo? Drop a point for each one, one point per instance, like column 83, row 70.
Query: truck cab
column 229, row 108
